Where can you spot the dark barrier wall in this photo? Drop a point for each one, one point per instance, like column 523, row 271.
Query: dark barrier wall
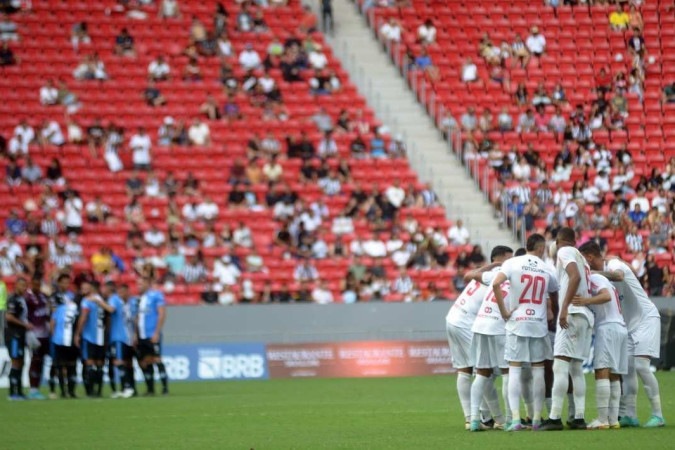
column 320, row 323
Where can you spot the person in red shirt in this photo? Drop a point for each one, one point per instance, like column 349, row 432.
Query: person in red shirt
column 603, row 82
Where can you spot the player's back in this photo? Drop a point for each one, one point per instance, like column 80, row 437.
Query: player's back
column 531, row 280
column 609, row 312
column 489, row 320
column 463, row 312
column 65, row 316
column 94, row 327
column 148, row 312
column 635, row 303
column 570, row 255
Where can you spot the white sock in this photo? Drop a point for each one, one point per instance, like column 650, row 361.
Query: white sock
column 491, row 397
column 538, row 392
column 485, row 414
column 515, row 391
column 549, row 403
column 602, row 394
column 477, row 390
column 630, row 388
column 505, row 396
column 464, row 392
column 579, row 383
column 570, row 405
column 614, row 399
column 560, row 383
column 650, row 383
column 526, row 382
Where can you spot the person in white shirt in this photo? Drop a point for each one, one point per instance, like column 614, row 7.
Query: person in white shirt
column 26, row 131
column 242, row 236
column 159, row 69
column 660, row 201
column 487, row 344
column 639, row 199
column 72, row 209
column 249, row 59
column 342, row 225
column 225, row 271
column 403, row 284
column 327, row 146
column 574, row 331
column 305, row 271
column 374, row 247
column 536, row 43
column 643, row 322
column 317, row 58
column 140, row 145
column 469, row 71
column 590, row 193
column 458, row 323
column 207, row 210
column 426, row 33
column 154, row 237
column 601, row 182
column 395, row 194
column 189, row 211
column 153, row 188
column 17, row 147
column 610, row 352
column 458, row 234
column 321, row 294
column 319, row 247
column 50, row 134
column 49, row 95
column 199, row 133
column 533, row 286
column 391, row 30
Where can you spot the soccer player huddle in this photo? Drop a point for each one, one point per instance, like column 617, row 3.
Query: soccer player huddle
column 94, row 325
column 532, row 324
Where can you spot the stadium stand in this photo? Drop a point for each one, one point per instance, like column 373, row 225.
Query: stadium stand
column 608, row 66
column 89, row 82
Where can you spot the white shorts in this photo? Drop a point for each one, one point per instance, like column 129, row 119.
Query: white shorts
column 645, row 340
column 575, row 341
column 460, row 346
column 488, row 351
column 611, row 348
column 527, row 349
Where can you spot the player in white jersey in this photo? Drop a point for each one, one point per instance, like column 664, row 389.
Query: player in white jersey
column 610, row 356
column 488, row 351
column 458, row 325
column 526, row 318
column 644, row 335
column 574, row 332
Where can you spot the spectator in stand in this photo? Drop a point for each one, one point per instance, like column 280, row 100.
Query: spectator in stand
column 520, row 51
column 424, row 63
column 12, row 172
column 191, row 71
column 330, row 185
column 31, row 172
column 154, row 237
column 619, row 19
column 272, row 170
column 668, row 95
column 458, row 234
column 169, row 9
column 426, row 33
column 174, row 260
column 636, row 46
column 7, row 57
column 321, row 294
column 504, row 120
column 97, row 211
column 152, row 95
column 557, row 122
column 526, row 122
column 634, row 241
column 305, row 271
column 327, row 146
column 391, row 30
column 199, row 133
column 90, row 68
column 8, row 29
column 536, row 43
column 74, row 132
column 72, row 209
column 308, row 21
column 50, row 134
column 242, row 236
column 469, row 71
column 317, row 58
column 159, row 69
column 79, row 34
column 540, row 96
column 124, row 44
column 207, row 210
column 49, row 95
column 637, row 215
column 249, row 59
column 194, row 270
column 141, row 145
column 469, row 120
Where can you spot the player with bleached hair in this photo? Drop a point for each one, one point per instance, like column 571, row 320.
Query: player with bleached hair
column 533, row 285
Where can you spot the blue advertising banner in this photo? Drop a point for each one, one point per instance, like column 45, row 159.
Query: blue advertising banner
column 196, row 362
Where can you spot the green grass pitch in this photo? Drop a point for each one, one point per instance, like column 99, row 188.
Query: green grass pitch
column 391, row 413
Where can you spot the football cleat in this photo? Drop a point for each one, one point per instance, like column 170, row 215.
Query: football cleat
column 655, row 422
column 629, row 422
column 597, row 425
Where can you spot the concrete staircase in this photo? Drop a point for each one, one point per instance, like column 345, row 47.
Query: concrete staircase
column 430, row 155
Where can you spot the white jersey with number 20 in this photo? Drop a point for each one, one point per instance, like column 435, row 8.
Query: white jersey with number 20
column 531, row 281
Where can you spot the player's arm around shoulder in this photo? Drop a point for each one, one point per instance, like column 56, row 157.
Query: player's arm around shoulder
column 477, row 274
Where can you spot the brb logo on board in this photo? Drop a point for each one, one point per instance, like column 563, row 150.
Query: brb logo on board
column 216, row 364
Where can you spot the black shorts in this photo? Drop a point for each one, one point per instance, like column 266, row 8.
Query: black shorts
column 120, row 350
column 16, row 345
column 146, row 348
column 92, row 351
column 65, row 355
